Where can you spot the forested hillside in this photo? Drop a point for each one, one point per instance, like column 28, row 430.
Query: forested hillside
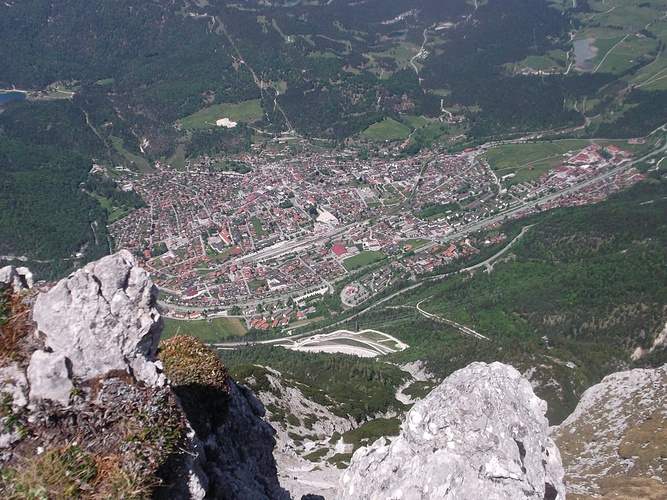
column 569, row 304
column 326, row 70
column 126, row 83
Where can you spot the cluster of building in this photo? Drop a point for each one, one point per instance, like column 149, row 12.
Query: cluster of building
column 296, row 225
column 570, row 178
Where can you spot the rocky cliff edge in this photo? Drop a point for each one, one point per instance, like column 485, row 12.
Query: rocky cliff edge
column 92, row 407
column 614, row 445
column 481, row 434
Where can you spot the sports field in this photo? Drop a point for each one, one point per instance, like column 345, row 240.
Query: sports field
column 362, row 259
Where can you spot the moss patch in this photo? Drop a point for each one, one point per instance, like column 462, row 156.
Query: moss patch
column 199, row 379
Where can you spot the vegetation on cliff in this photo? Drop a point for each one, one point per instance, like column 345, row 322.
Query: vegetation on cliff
column 575, row 297
column 199, row 379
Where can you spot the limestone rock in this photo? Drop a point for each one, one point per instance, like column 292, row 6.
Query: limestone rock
column 18, row 278
column 615, row 442
column 240, row 452
column 49, row 377
column 14, row 397
column 295, row 439
column 14, row 383
column 94, row 328
column 481, row 435
column 103, row 318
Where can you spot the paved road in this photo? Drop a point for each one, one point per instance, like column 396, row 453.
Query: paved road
column 487, row 262
column 464, row 231
column 464, row 329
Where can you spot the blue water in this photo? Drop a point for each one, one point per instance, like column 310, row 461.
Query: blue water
column 10, row 96
column 583, row 53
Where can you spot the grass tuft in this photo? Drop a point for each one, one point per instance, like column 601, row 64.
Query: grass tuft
column 199, row 379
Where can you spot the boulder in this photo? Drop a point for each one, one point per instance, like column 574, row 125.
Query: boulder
column 481, row 434
column 49, row 377
column 103, row 318
column 18, row 278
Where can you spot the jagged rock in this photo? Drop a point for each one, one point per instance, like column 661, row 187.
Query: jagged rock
column 614, row 444
column 13, row 397
column 296, row 440
column 481, row 435
column 49, row 377
column 96, row 328
column 240, row 452
column 18, row 278
column 103, row 318
column 660, row 342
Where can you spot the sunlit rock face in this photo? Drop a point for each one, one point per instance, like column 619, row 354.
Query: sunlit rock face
column 103, row 318
column 481, row 434
column 615, row 442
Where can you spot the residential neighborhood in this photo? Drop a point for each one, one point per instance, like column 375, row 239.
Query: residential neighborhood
column 294, row 226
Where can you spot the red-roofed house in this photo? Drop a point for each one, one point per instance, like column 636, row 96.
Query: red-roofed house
column 339, row 250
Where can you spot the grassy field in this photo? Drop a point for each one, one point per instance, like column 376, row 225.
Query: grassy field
column 219, row 329
column 257, row 225
column 540, row 62
column 416, row 121
column 529, row 161
column 362, row 259
column 625, row 54
column 247, row 111
column 509, row 157
column 402, row 54
column 611, row 22
column 386, row 130
column 178, row 160
column 141, row 163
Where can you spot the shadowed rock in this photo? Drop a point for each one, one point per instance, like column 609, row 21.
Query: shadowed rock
column 18, row 278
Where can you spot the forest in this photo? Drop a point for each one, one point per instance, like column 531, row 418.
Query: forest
column 576, row 296
column 332, row 68
column 324, row 70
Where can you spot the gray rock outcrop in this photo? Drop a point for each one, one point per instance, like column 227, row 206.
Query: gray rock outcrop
column 481, row 435
column 49, row 377
column 91, row 377
column 18, row 278
column 103, row 318
column 614, row 444
column 239, row 453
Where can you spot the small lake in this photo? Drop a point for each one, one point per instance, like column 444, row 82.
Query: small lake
column 584, row 51
column 12, row 95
